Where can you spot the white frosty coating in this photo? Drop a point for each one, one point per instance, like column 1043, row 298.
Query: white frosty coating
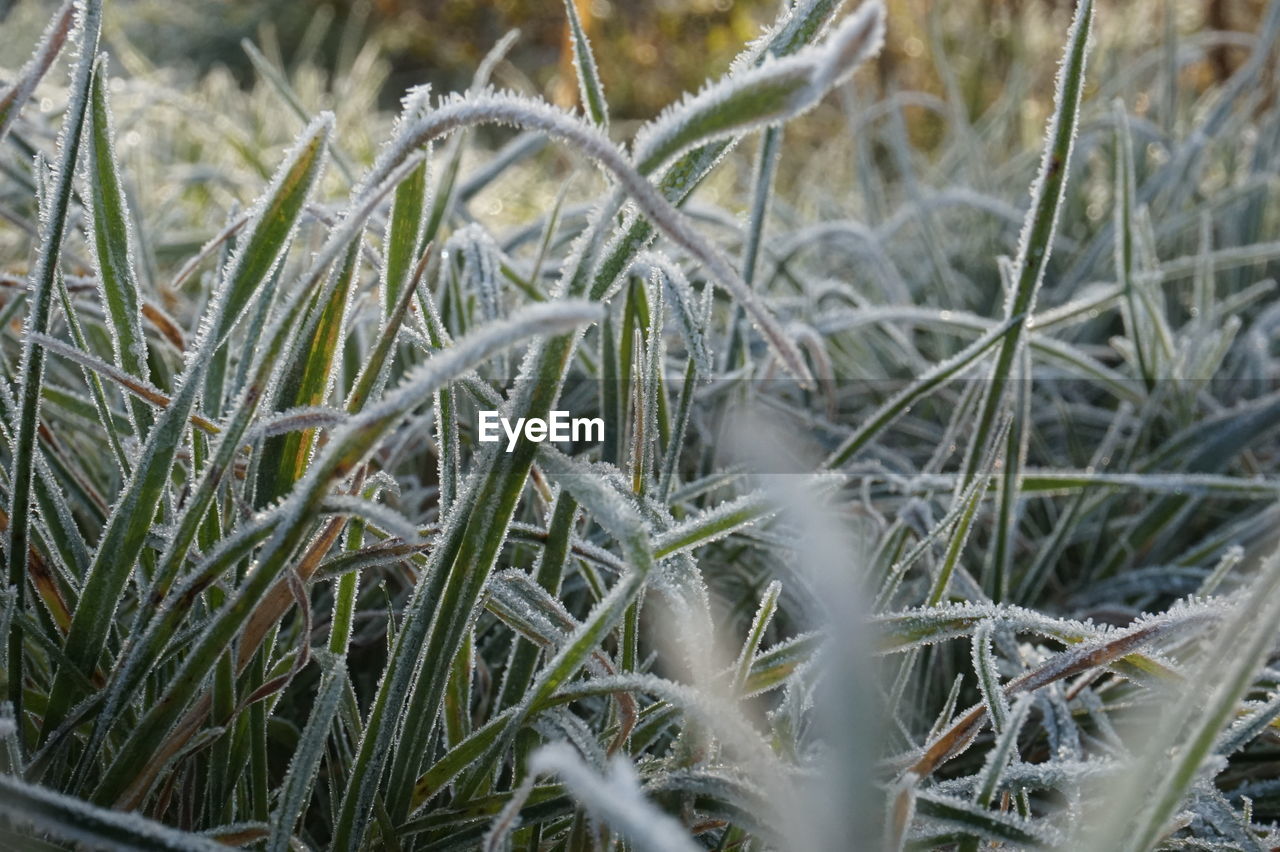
column 777, row 90
column 616, row 798
column 714, row 524
column 1146, row 796
column 984, row 666
column 998, row 758
column 305, row 763
column 584, row 481
column 969, row 818
column 654, row 351
column 1080, row 30
column 816, row 345
column 134, row 360
column 30, row 74
column 381, row 516
column 584, row 63
column 540, row 618
column 558, row 725
column 1246, row 729
column 723, row 719
column 481, row 259
column 315, row 137
column 76, row 821
column 929, row 625
column 127, row 382
column 296, row 420
column 505, row 108
column 491, row 59
column 796, row 26
column 760, row 623
column 689, row 310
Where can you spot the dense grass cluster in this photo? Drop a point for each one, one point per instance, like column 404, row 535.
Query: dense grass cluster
column 943, row 520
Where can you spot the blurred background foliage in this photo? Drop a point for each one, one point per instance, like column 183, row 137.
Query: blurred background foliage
column 650, row 51
column 180, row 66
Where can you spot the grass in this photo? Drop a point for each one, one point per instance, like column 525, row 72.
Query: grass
column 936, row 509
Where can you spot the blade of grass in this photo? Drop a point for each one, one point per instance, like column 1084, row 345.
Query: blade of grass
column 112, row 245
column 31, row 371
column 125, row 534
column 17, row 95
column 1036, row 243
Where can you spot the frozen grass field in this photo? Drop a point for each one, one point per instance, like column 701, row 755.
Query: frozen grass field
column 935, row 506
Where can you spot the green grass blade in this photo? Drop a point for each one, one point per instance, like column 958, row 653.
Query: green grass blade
column 297, row 785
column 1036, row 242
column 125, row 535
column 112, row 245
column 404, row 237
column 73, row 821
column 307, row 381
column 590, row 90
column 31, row 372
column 126, row 777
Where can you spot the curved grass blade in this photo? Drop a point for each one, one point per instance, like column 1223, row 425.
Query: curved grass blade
column 126, row 779
column 71, row 820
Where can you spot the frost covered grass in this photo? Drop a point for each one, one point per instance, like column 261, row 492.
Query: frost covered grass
column 944, row 518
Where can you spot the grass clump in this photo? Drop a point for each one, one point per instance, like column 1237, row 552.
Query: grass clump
column 944, row 522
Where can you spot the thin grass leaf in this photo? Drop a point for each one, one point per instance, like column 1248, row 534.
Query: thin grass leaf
column 31, row 370
column 590, row 90
column 771, row 93
column 984, row 666
column 125, row 534
column 112, row 245
column 344, row 452
column 1125, row 191
column 301, row 776
column 1036, row 242
column 50, row 45
column 71, row 820
column 970, row 820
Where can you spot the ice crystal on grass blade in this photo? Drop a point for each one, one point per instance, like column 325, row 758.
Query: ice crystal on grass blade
column 775, row 91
